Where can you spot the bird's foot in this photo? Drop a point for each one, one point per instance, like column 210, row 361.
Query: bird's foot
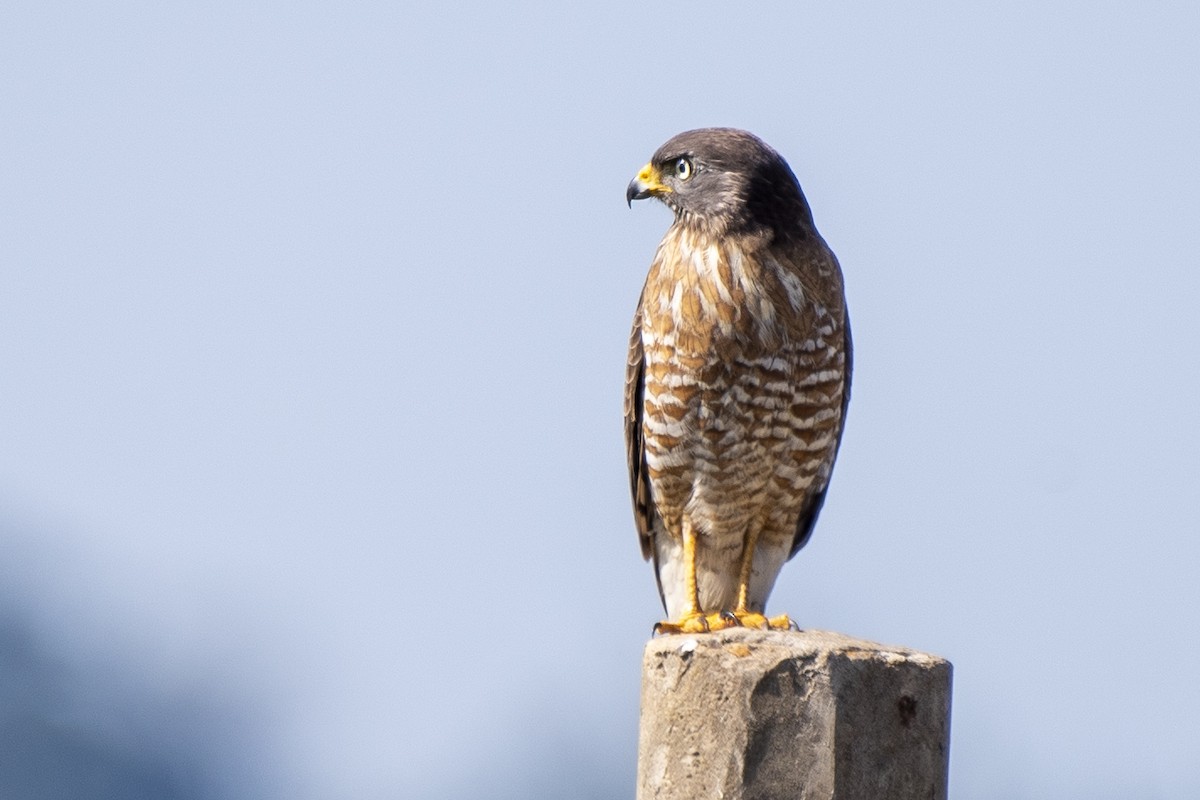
column 698, row 622
column 752, row 619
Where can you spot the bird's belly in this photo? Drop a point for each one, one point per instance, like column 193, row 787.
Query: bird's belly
column 726, row 469
column 723, row 454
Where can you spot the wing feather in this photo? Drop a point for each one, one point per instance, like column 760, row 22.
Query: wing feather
column 812, row 508
column 635, row 447
column 822, row 278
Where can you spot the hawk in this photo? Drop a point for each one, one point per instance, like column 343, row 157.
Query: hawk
column 737, row 381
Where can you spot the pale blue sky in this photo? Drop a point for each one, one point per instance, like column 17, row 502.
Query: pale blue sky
column 312, row 332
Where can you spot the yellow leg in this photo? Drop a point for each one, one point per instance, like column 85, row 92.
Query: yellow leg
column 689, row 570
column 694, row 620
column 743, row 600
column 743, row 614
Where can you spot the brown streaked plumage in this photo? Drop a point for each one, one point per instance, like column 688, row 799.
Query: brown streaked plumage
column 737, row 381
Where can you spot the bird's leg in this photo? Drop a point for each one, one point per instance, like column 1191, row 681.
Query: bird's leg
column 693, row 619
column 746, row 617
column 743, row 600
column 690, row 584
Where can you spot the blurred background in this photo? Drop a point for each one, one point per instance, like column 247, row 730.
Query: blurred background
column 312, row 334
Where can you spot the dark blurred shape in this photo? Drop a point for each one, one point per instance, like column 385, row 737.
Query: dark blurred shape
column 67, row 735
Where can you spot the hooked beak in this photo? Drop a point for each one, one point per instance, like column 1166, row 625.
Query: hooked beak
column 648, row 183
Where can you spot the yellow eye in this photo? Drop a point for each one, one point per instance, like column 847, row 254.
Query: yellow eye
column 683, row 169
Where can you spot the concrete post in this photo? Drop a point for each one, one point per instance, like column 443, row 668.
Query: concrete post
column 772, row 715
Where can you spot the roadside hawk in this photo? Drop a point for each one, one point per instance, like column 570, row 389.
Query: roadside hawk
column 738, row 378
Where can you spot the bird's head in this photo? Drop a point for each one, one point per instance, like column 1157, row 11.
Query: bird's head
column 723, row 180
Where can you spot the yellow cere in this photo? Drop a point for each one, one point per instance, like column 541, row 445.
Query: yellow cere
column 649, row 179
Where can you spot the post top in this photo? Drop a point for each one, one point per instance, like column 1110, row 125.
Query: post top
column 742, row 642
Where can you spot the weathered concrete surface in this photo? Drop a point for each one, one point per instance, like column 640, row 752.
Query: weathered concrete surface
column 769, row 715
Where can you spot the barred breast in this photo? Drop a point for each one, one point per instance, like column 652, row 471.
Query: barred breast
column 745, row 368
